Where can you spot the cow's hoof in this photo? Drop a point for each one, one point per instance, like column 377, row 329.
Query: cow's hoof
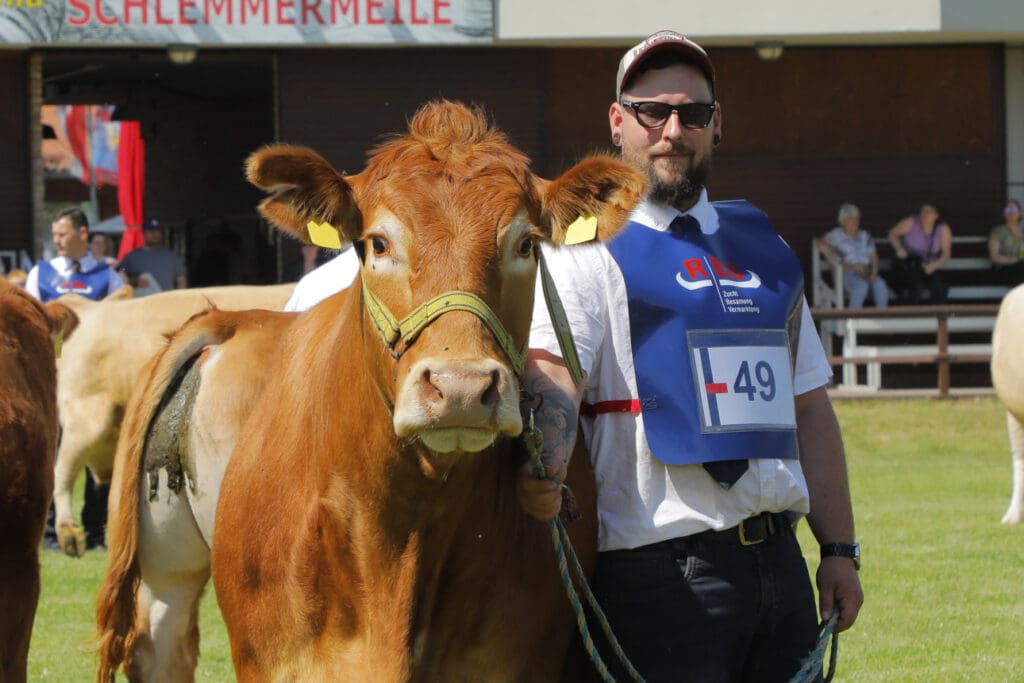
column 72, row 540
column 1012, row 516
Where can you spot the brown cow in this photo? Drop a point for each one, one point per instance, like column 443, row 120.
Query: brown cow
column 99, row 367
column 367, row 526
column 28, row 433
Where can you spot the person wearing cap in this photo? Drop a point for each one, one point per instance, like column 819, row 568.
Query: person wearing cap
column 703, row 406
column 153, row 267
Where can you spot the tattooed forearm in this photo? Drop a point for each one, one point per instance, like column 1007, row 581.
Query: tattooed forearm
column 556, row 417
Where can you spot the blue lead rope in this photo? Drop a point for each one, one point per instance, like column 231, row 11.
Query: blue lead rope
column 813, row 663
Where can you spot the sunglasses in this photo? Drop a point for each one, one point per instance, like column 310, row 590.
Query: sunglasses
column 692, row 115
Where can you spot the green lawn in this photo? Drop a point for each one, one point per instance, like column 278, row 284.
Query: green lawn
column 944, row 581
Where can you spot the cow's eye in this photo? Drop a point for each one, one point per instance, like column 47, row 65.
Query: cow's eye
column 380, row 245
column 526, row 246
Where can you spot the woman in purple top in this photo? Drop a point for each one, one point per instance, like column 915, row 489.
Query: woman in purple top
column 923, row 243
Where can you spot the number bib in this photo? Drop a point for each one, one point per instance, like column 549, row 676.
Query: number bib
column 711, row 319
column 742, row 380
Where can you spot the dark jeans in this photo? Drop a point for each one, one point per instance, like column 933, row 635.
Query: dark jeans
column 910, row 282
column 697, row 610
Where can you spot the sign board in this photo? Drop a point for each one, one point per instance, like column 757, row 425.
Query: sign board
column 244, row 23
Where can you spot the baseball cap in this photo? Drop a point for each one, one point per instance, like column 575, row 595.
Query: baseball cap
column 152, row 224
column 658, row 43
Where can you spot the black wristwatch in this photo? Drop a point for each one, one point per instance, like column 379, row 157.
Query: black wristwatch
column 850, row 550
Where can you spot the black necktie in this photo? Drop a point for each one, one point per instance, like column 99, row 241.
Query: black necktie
column 76, row 267
column 725, row 472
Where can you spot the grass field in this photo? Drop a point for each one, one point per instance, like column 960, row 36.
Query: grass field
column 943, row 579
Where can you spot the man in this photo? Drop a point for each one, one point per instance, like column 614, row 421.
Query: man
column 705, row 410
column 153, row 264
column 325, row 280
column 74, row 270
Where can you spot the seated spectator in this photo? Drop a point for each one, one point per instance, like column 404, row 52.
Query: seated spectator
column 854, row 248
column 923, row 243
column 1006, row 248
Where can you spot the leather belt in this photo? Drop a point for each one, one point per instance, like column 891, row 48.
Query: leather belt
column 750, row 531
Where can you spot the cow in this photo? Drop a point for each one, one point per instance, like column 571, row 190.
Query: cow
column 1008, row 380
column 99, row 367
column 366, row 526
column 29, row 331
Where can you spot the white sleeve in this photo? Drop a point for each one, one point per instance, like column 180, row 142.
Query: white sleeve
column 327, row 280
column 32, row 282
column 812, row 369
column 577, row 274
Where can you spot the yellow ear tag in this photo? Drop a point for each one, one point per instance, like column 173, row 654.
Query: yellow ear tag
column 323, row 235
column 58, row 344
column 581, row 230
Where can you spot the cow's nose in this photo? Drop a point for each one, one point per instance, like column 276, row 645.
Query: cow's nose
column 459, row 390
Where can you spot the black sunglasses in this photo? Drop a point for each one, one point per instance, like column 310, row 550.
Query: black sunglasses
column 693, row 115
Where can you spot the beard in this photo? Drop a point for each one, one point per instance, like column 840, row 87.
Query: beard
column 683, row 193
column 679, row 193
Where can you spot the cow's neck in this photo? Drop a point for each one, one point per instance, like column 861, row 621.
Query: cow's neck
column 410, row 524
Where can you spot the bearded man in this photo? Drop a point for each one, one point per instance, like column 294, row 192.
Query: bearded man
column 703, row 406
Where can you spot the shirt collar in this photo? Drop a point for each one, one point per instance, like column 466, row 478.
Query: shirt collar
column 63, row 263
column 659, row 216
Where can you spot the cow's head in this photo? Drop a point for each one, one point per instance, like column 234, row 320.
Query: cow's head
column 449, row 207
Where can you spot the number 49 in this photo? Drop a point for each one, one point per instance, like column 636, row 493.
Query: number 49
column 765, row 380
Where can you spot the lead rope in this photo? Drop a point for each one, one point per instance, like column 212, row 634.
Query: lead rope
column 815, row 661
column 533, row 440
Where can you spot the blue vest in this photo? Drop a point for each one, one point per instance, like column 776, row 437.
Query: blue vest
column 713, row 322
column 92, row 284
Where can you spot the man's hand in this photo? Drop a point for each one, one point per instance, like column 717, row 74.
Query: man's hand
column 540, row 498
column 839, row 588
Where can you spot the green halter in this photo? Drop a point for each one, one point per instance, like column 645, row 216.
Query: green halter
column 392, row 329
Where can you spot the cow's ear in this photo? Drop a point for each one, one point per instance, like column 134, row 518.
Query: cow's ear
column 304, row 188
column 62, row 320
column 607, row 189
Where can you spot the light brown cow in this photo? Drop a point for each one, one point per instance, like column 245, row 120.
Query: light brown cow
column 1008, row 380
column 28, row 433
column 99, row 368
column 367, row 527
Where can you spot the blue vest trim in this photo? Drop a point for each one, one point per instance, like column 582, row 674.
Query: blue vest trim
column 709, row 320
column 92, row 284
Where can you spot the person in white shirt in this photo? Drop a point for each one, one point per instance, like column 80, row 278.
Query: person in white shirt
column 73, row 270
column 330, row 278
column 703, row 406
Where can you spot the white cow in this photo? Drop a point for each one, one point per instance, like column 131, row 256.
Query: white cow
column 99, row 366
column 1008, row 379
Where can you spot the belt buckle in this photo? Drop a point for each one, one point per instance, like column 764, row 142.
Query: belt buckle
column 765, row 530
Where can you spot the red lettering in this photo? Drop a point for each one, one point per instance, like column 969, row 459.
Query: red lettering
column 311, row 7
column 283, row 20
column 343, row 7
column 160, row 19
column 218, row 7
column 695, row 269
column 438, row 4
column 106, row 21
column 724, row 270
column 413, row 17
column 254, row 6
column 184, row 5
column 78, row 5
column 141, row 5
column 370, row 6
column 397, row 17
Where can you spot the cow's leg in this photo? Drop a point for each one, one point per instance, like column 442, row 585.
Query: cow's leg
column 1015, row 513
column 76, row 441
column 174, row 564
